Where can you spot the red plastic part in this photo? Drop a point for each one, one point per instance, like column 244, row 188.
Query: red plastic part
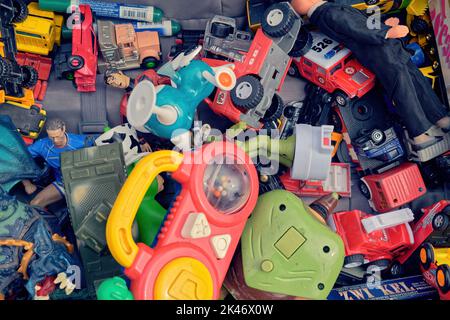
column 395, row 187
column 192, row 199
column 388, row 243
column 43, row 66
column 84, row 44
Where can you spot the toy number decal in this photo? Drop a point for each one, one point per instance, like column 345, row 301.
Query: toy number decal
column 322, row 45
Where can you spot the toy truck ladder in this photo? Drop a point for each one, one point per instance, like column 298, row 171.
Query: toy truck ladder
column 387, row 220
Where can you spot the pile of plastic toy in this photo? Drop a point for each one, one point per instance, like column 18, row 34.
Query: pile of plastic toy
column 163, row 206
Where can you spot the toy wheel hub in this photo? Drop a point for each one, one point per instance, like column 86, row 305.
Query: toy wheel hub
column 244, row 90
column 275, row 17
column 340, row 100
column 439, row 221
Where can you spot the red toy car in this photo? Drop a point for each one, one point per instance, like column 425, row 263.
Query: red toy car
column 43, row 66
column 338, row 181
column 393, row 188
column 374, row 239
column 84, row 50
column 332, row 67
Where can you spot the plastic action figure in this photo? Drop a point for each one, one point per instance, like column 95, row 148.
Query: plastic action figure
column 382, row 51
column 50, row 150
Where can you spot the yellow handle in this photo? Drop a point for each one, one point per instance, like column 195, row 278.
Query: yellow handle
column 118, row 228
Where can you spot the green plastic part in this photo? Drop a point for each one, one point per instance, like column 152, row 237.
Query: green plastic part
column 158, row 15
column 54, row 5
column 286, row 250
column 114, row 289
column 176, row 28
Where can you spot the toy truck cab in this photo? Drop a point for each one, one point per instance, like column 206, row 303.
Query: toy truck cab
column 332, row 67
column 374, row 239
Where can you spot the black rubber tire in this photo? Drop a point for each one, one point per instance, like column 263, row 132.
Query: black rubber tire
column 283, row 26
column 377, row 136
column 275, row 110
column 341, row 98
column 382, row 264
column 20, row 11
column 75, row 67
column 272, row 183
column 371, row 2
column 256, row 92
column 445, row 269
column 5, row 68
column 419, row 25
column 302, row 45
column 364, row 189
column 353, row 261
column 35, row 110
column 30, row 76
column 221, row 30
column 397, row 270
column 440, row 222
column 149, row 60
column 293, row 70
column 289, row 111
column 429, row 255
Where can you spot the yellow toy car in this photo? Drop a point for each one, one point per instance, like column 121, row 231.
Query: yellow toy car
column 39, row 32
column 436, row 262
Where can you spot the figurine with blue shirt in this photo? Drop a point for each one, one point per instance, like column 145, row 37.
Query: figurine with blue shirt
column 50, row 149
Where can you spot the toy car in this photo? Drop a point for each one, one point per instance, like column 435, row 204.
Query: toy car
column 393, row 188
column 122, row 48
column 286, row 249
column 338, row 181
column 262, row 71
column 332, row 67
column 374, row 239
column 83, row 60
column 29, row 120
column 435, row 266
column 43, row 66
column 379, row 144
column 255, row 12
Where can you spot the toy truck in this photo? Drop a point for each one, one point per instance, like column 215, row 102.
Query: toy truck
column 262, row 71
column 331, row 66
column 391, row 189
column 373, row 239
column 122, row 48
column 39, row 32
column 43, row 66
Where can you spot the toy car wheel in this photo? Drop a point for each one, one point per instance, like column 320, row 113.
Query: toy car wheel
column 353, row 261
column 278, row 20
column 443, row 278
column 293, row 70
column 397, row 269
column 20, row 11
column 302, row 45
column 419, row 25
column 289, row 110
column 30, row 76
column 381, row 264
column 5, row 68
column 364, row 188
column 149, row 63
column 371, row 2
column 275, row 110
column 248, row 92
column 440, row 222
column 35, row 110
column 75, row 62
column 341, row 98
column 377, row 136
column 426, row 254
column 221, row 30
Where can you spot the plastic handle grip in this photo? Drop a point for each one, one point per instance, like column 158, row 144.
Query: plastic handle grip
column 118, row 228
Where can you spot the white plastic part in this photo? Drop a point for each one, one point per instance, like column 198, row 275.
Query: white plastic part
column 312, row 159
column 140, row 105
column 218, row 72
column 196, row 227
column 166, row 114
column 182, row 141
column 220, row 245
column 387, row 220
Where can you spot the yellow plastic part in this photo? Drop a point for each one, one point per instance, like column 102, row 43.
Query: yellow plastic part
column 417, row 7
column 118, row 228
column 184, row 279
column 26, row 101
column 442, row 256
column 429, row 72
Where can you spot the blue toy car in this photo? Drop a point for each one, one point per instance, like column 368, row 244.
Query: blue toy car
column 380, row 145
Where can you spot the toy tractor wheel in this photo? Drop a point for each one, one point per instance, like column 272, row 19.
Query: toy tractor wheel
column 248, row 92
column 293, row 70
column 20, row 11
column 278, row 20
column 341, row 98
column 30, row 76
column 353, row 261
column 302, row 45
column 371, row 2
column 364, row 188
column 443, row 278
column 75, row 63
column 419, row 25
column 440, row 222
column 149, row 63
column 377, row 136
column 5, row 68
column 426, row 254
column 221, row 30
column 381, row 264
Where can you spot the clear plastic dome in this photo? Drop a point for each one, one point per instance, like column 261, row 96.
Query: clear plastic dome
column 226, row 185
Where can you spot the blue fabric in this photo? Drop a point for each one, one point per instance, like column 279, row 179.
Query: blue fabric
column 45, row 149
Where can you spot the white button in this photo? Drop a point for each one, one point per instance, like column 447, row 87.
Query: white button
column 196, row 226
column 220, row 245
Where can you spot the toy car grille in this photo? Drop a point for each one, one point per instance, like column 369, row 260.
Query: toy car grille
column 360, row 77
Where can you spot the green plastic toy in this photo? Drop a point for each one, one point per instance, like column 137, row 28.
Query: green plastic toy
column 287, row 250
column 114, row 289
